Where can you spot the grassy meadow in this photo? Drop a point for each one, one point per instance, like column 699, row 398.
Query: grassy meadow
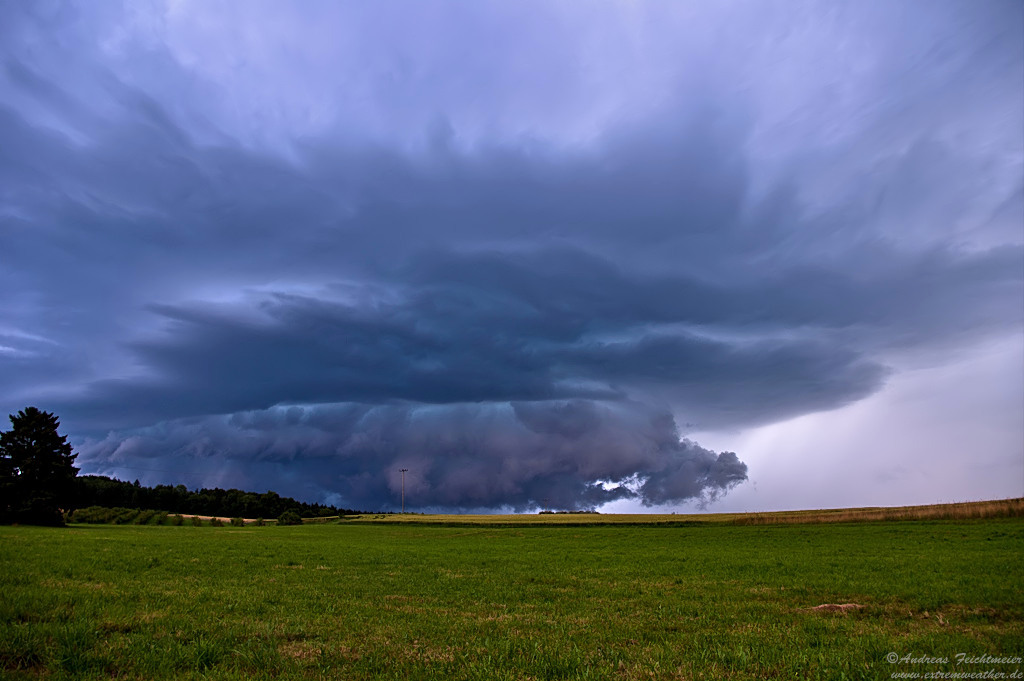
column 362, row 599
column 968, row 510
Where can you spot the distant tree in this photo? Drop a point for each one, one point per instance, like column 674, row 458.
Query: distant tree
column 289, row 518
column 98, row 490
column 36, row 470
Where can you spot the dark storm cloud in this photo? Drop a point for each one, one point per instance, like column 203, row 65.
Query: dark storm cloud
column 568, row 454
column 515, row 310
column 555, row 325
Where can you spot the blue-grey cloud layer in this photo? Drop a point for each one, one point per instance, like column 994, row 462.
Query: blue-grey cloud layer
column 302, row 288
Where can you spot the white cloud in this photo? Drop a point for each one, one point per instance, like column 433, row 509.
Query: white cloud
column 945, row 433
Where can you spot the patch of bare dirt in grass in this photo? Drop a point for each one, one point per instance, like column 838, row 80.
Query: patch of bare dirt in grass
column 300, row 650
column 497, row 618
column 837, row 607
column 430, row 653
column 450, row 574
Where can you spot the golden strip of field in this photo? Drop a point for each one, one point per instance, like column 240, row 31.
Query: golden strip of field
column 1000, row 508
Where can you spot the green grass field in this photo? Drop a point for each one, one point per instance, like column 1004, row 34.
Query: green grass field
column 363, row 600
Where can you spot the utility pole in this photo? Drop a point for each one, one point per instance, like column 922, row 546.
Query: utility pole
column 404, row 470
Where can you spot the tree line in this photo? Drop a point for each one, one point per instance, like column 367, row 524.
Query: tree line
column 39, row 483
column 98, row 490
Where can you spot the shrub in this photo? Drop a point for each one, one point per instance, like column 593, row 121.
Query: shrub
column 118, row 516
column 237, row 522
column 289, row 518
column 260, row 522
column 175, row 520
column 92, row 514
column 216, row 522
column 124, row 516
column 197, row 522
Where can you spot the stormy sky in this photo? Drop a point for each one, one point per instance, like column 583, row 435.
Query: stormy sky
column 620, row 255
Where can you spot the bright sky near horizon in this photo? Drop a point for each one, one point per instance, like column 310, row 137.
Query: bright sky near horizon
column 629, row 255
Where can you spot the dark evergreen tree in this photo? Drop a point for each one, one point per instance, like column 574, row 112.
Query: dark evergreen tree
column 36, row 470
